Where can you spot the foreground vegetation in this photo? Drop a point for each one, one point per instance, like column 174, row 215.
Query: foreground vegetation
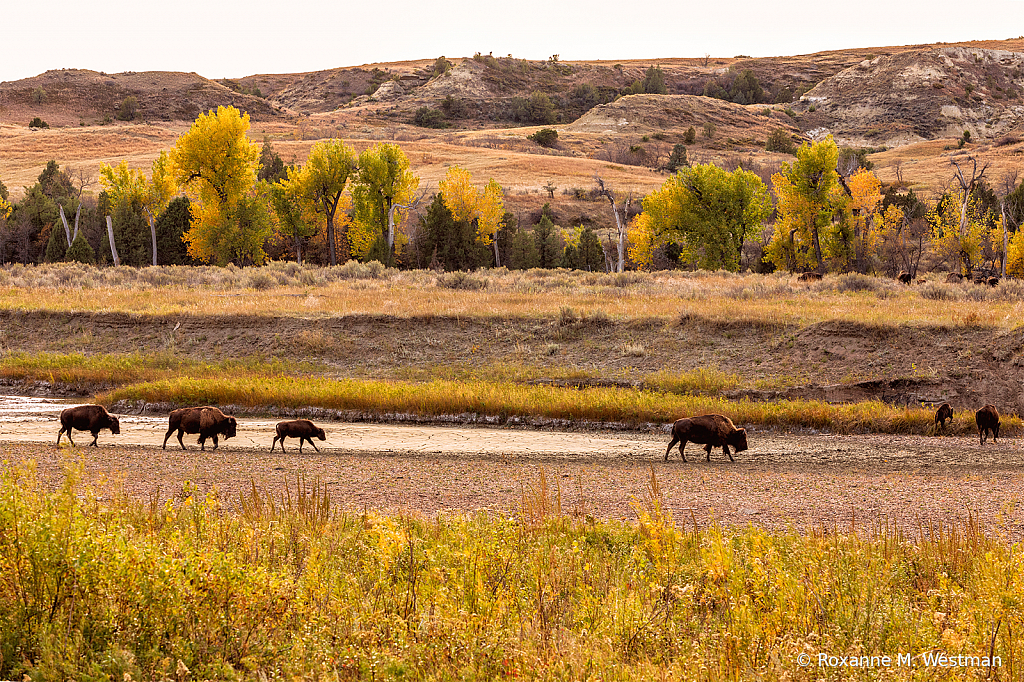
column 285, row 586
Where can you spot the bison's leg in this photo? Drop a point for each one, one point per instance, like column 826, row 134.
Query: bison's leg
column 272, row 445
column 65, row 429
column 215, row 441
column 312, row 443
column 707, row 449
column 181, row 442
column 166, row 436
column 725, row 449
column 95, row 437
column 300, row 445
column 682, row 447
column 61, row 433
column 674, row 441
column 995, row 433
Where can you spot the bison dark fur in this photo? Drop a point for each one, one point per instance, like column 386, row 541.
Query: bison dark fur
column 904, row 277
column 91, row 418
column 208, row 422
column 954, row 278
column 710, row 430
column 303, row 429
column 809, row 277
column 988, row 420
column 944, row 413
column 993, row 281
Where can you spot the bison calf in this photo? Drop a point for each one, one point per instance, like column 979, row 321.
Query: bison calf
column 208, row 422
column 809, row 277
column 988, row 420
column 303, row 429
column 91, row 418
column 710, row 430
column 944, row 413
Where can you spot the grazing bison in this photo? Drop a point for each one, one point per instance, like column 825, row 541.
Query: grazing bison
column 988, row 420
column 944, row 413
column 303, row 429
column 993, row 281
column 905, row 277
column 206, row 421
column 809, row 277
column 91, row 418
column 710, row 430
column 954, row 278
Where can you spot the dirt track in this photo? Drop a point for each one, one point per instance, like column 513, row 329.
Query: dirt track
column 784, row 479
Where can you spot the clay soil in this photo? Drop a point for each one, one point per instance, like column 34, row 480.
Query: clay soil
column 785, row 480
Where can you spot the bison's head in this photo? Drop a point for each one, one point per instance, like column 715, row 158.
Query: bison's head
column 230, row 427
column 738, row 440
column 321, row 434
column 115, row 426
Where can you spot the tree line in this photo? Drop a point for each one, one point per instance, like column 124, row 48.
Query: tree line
column 217, row 197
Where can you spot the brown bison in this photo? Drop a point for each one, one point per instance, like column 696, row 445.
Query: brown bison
column 992, row 281
column 206, row 421
column 710, row 430
column 91, row 418
column 954, row 278
column 303, row 429
column 905, row 277
column 809, row 277
column 944, row 413
column 988, row 420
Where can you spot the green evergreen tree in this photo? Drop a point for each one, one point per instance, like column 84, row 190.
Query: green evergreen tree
column 170, row 226
column 654, row 81
column 591, row 254
column 522, row 253
column 81, row 251
column 57, row 245
column 506, row 233
column 571, row 258
column 452, row 241
column 677, row 159
column 548, row 242
column 132, row 236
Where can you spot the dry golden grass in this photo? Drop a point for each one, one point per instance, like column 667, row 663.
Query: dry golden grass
column 774, row 301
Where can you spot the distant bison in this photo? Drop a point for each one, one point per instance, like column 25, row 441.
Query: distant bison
column 809, row 277
column 943, row 414
column 710, row 430
column 988, row 420
column 303, row 429
column 91, row 418
column 206, row 421
column 993, row 281
column 954, row 278
column 904, row 277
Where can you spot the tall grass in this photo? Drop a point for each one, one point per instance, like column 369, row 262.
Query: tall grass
column 124, row 589
column 509, row 399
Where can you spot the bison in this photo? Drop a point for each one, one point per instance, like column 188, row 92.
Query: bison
column 954, row 278
column 992, row 281
column 988, row 420
column 905, row 277
column 944, row 413
column 710, row 430
column 206, row 421
column 91, row 418
column 303, row 429
column 809, row 277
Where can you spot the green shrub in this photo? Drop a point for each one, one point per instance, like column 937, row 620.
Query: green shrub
column 690, row 136
column 780, row 141
column 545, row 137
column 81, row 251
column 38, row 123
column 427, row 117
column 128, row 109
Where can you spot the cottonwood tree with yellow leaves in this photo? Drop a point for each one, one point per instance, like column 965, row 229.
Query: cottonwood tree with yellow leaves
column 707, row 210
column 125, row 186
column 382, row 194
column 217, row 164
column 811, row 205
column 322, row 182
column 484, row 209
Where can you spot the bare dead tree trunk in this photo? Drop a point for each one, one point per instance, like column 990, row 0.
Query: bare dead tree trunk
column 391, row 221
column 152, row 231
column 78, row 212
column 619, row 222
column 67, row 230
column 967, row 185
column 110, row 235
